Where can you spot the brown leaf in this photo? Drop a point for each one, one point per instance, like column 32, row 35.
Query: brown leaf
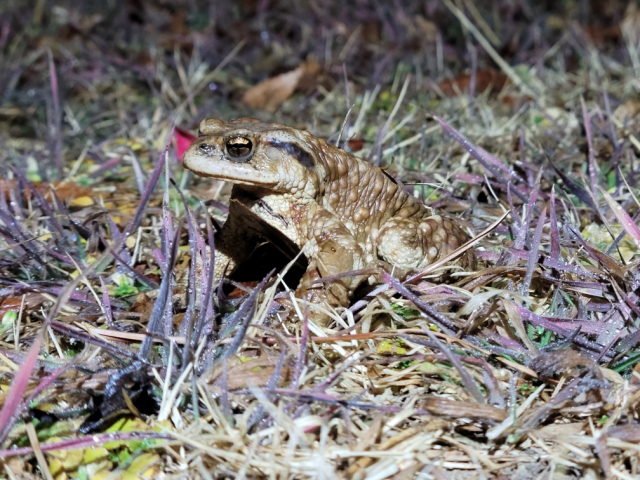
column 272, row 92
column 254, row 373
column 630, row 25
column 356, row 144
column 9, row 304
column 492, row 79
column 64, row 190
column 558, row 362
column 627, row 113
column 455, row 409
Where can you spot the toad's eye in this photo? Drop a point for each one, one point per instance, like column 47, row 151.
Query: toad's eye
column 239, row 147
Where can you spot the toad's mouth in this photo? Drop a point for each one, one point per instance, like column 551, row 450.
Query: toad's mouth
column 222, row 169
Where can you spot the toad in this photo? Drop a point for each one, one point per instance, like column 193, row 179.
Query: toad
column 342, row 212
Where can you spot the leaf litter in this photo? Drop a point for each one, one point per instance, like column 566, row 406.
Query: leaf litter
column 122, row 357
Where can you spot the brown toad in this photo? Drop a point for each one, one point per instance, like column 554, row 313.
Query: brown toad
column 344, row 213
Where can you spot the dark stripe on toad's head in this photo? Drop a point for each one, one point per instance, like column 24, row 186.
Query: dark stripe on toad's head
column 295, row 151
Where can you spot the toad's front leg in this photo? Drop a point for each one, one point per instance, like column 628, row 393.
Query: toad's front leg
column 331, row 249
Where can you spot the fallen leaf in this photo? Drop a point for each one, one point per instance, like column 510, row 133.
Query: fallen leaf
column 627, row 113
column 455, row 409
column 491, row 79
column 630, row 25
column 272, row 92
column 355, row 144
column 83, row 201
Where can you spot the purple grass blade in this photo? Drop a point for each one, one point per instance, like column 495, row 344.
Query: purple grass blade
column 436, row 317
column 623, row 218
column 21, row 380
column 239, row 336
column 105, row 167
column 55, row 133
column 84, row 337
column 540, row 321
column 574, row 188
column 490, row 162
column 567, row 267
column 148, row 190
column 514, row 215
column 553, row 232
column 15, row 236
column 466, row 378
column 119, row 240
column 619, row 238
column 186, row 327
column 137, row 171
column 593, row 169
column 612, row 129
column 128, row 268
column 531, row 205
column 207, row 309
column 86, row 442
column 588, row 248
column 242, row 312
column 631, row 300
column 44, row 205
column 44, row 384
column 167, row 245
column 160, row 259
column 277, row 371
column 106, row 303
column 629, row 342
column 534, row 254
column 159, row 307
column 10, row 409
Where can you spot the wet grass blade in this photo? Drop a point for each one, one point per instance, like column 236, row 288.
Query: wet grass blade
column 436, row 317
column 623, row 217
column 466, row 378
column 534, row 254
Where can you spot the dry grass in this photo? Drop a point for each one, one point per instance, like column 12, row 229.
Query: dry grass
column 523, row 369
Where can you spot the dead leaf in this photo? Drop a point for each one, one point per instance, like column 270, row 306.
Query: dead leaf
column 8, row 305
column 355, row 144
column 492, row 79
column 562, row 362
column 627, row 113
column 455, row 409
column 252, row 373
column 630, row 25
column 272, row 92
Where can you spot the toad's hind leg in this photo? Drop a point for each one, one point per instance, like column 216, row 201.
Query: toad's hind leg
column 410, row 244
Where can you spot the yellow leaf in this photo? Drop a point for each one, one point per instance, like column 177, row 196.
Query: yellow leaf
column 69, row 459
column 131, row 241
column 93, row 454
column 82, row 202
column 55, row 466
column 104, row 474
column 143, row 462
column 388, row 346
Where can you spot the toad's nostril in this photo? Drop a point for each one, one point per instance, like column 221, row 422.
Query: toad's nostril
column 206, row 148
